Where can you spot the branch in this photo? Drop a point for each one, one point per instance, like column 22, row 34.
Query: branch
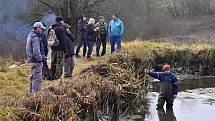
column 46, row 4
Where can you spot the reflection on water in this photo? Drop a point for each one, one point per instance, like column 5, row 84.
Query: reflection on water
column 196, row 102
column 185, row 109
column 167, row 115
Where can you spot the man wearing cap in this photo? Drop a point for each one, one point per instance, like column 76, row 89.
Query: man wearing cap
column 35, row 56
column 102, row 33
column 169, row 86
column 58, row 51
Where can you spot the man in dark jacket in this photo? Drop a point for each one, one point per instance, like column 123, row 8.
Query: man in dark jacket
column 69, row 62
column 35, row 56
column 82, row 24
column 58, row 51
column 90, row 36
column 45, row 45
column 169, row 87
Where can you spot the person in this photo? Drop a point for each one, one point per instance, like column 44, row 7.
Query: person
column 90, row 37
column 45, row 69
column 102, row 28
column 169, row 86
column 116, row 30
column 58, row 48
column 35, row 56
column 69, row 62
column 82, row 40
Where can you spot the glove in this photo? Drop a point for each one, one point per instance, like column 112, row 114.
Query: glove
column 174, row 97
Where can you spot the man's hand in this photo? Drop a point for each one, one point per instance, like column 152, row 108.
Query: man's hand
column 146, row 71
column 174, row 97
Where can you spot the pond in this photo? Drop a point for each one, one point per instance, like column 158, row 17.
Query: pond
column 195, row 102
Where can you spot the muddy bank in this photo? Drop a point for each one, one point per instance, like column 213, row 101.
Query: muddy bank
column 187, row 61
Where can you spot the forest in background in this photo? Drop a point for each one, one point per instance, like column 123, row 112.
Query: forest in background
column 176, row 20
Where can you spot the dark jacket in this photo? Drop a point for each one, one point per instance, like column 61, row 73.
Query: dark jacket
column 90, row 33
column 82, row 28
column 169, row 82
column 45, row 43
column 34, row 47
column 69, row 43
column 61, row 35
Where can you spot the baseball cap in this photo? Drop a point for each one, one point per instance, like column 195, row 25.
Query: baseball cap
column 39, row 24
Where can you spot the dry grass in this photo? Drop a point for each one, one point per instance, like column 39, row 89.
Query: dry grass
column 14, row 82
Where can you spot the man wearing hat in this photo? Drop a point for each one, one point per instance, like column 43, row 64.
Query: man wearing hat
column 35, row 56
column 169, row 86
column 59, row 50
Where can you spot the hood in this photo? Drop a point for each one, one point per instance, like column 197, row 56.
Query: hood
column 35, row 34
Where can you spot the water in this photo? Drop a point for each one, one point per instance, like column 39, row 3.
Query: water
column 196, row 102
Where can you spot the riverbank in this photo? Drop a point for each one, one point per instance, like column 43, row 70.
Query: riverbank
column 120, row 74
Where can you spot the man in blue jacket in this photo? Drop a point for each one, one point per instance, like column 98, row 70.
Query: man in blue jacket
column 35, row 56
column 169, row 86
column 116, row 30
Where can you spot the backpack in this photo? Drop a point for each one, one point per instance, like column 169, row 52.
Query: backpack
column 102, row 28
column 53, row 41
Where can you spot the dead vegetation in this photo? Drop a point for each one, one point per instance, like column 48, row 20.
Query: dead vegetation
column 105, row 91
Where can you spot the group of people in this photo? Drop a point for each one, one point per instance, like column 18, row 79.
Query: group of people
column 61, row 40
column 91, row 32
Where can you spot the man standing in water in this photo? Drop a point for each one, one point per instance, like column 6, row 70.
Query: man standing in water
column 169, row 86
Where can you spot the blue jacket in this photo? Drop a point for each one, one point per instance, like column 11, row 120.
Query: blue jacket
column 116, row 28
column 169, row 82
column 69, row 43
column 34, row 47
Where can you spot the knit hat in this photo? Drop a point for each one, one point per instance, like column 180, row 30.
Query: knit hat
column 166, row 67
column 58, row 19
column 101, row 17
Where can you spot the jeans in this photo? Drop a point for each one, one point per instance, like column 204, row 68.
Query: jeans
column 90, row 47
column 36, row 77
column 81, row 42
column 102, row 42
column 115, row 40
column 68, row 66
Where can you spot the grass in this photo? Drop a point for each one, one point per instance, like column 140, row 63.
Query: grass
column 15, row 82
